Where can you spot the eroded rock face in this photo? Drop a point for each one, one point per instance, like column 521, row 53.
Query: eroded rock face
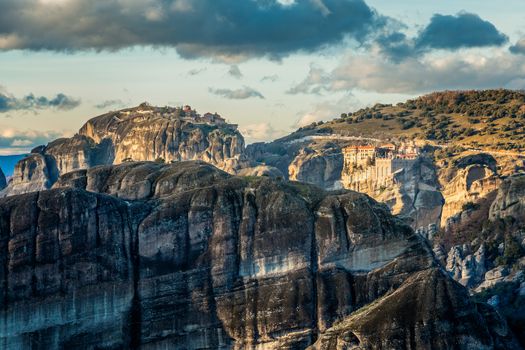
column 143, row 133
column 261, row 170
column 468, row 180
column 414, row 192
column 183, row 255
column 3, row 182
column 147, row 133
column 79, row 152
column 510, row 200
column 465, row 266
column 414, row 302
column 320, row 165
column 36, row 172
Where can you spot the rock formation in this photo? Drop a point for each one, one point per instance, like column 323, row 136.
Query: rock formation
column 318, row 164
column 3, row 182
column 155, row 256
column 413, row 192
column 467, row 180
column 261, row 170
column 149, row 133
column 79, row 152
column 510, row 199
column 34, row 173
column 466, row 267
column 143, row 133
column 412, row 303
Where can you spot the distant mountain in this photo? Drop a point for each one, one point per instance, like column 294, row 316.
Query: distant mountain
column 7, row 163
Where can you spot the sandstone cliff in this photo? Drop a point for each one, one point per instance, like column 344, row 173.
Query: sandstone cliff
column 319, row 164
column 148, row 133
column 156, row 256
column 413, row 192
column 143, row 133
column 467, row 179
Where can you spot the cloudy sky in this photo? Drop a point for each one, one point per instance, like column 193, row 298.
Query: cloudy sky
column 268, row 65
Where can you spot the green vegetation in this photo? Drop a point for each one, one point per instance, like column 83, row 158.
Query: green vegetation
column 493, row 119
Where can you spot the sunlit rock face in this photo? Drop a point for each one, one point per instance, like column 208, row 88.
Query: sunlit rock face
column 261, row 170
column 150, row 133
column 143, row 133
column 468, row 180
column 412, row 191
column 36, row 172
column 185, row 256
column 318, row 164
column 79, row 152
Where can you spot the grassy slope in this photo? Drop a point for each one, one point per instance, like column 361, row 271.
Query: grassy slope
column 490, row 119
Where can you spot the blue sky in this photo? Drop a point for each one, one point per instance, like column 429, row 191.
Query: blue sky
column 267, row 65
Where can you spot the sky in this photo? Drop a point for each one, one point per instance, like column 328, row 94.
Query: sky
column 270, row 66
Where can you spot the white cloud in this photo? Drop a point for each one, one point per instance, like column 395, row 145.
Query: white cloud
column 312, row 83
column 286, row 2
column 420, row 75
column 237, row 94
column 154, row 14
column 21, row 143
column 181, row 6
column 260, row 132
column 328, row 110
column 15, row 141
column 235, row 72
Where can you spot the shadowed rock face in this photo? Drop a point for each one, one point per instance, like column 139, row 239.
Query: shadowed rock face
column 510, row 200
column 155, row 256
column 3, row 182
column 429, row 300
